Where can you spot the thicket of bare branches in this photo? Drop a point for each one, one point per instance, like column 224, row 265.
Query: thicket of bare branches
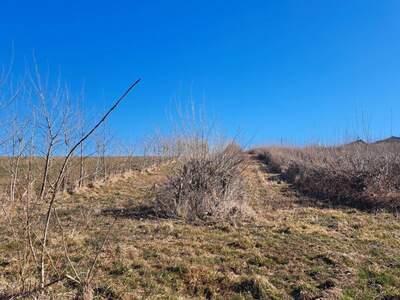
column 362, row 175
column 41, row 134
column 207, row 178
column 205, row 183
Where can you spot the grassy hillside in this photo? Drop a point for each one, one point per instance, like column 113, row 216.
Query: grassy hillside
column 290, row 247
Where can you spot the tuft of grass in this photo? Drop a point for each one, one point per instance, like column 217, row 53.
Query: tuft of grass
column 255, row 288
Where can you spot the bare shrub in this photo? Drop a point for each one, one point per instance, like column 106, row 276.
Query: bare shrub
column 206, row 183
column 361, row 175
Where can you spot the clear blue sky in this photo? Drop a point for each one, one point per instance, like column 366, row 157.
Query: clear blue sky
column 300, row 71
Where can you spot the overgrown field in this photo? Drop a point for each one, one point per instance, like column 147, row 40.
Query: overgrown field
column 359, row 175
column 289, row 248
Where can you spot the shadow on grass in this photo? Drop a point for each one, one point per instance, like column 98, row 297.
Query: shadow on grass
column 139, row 212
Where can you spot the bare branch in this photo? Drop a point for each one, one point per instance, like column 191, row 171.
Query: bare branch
column 61, row 174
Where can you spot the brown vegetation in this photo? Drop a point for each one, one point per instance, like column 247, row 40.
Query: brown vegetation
column 358, row 174
column 205, row 183
column 35, row 176
column 197, row 219
column 292, row 250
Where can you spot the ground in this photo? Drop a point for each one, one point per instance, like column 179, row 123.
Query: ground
column 291, row 247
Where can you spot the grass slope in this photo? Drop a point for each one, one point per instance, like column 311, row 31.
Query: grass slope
column 292, row 249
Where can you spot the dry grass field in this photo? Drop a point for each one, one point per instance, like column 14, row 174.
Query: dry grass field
column 288, row 246
column 94, row 168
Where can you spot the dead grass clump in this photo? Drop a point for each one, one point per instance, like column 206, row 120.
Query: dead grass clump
column 205, row 183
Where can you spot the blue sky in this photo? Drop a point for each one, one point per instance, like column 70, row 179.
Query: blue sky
column 293, row 71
